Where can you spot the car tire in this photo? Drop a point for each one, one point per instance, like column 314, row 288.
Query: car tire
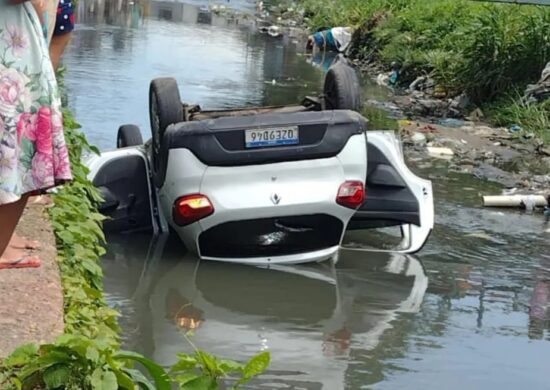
column 165, row 109
column 342, row 90
column 128, row 135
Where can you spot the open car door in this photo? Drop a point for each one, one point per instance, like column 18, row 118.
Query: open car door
column 122, row 177
column 395, row 196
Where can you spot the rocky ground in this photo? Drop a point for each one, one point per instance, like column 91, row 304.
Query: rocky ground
column 31, row 300
column 485, row 152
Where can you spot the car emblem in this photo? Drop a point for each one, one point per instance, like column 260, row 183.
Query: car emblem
column 275, row 198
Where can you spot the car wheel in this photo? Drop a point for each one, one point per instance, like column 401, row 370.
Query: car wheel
column 165, row 109
column 128, row 135
column 342, row 90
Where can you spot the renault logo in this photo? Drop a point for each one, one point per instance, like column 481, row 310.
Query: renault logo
column 275, row 198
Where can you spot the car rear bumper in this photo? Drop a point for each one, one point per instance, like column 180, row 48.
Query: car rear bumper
column 271, row 237
column 298, row 258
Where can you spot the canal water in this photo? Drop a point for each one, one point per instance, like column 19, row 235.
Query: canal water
column 468, row 312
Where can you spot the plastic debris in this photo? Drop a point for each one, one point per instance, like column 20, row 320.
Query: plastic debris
column 382, row 79
column 440, row 152
column 428, row 129
column 540, row 91
column 529, row 202
column 451, row 122
column 418, row 138
column 515, row 128
column 336, row 39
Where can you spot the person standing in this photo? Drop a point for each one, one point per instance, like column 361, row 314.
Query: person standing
column 33, row 153
column 64, row 26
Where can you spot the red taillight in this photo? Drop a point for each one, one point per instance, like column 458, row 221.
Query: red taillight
column 191, row 208
column 351, row 194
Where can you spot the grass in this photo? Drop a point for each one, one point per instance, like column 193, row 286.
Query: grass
column 485, row 50
column 531, row 117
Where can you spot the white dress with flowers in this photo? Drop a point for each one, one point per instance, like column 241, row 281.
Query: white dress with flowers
column 33, row 154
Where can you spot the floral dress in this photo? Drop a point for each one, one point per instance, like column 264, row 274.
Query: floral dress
column 33, row 154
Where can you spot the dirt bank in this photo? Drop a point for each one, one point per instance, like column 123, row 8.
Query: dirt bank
column 31, row 300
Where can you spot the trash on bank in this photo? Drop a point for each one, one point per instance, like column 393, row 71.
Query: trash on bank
column 440, row 152
column 515, row 129
column 451, row 122
column 422, row 83
column 528, row 202
column 540, row 91
column 418, row 138
column 274, row 31
column 391, row 78
column 332, row 39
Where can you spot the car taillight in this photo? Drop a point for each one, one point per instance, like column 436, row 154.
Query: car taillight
column 191, row 208
column 351, row 194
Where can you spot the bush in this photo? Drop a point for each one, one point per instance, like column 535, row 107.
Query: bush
column 531, row 117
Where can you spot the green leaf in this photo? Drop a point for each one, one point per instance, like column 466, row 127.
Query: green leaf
column 66, row 236
column 96, row 379
column 109, row 381
column 21, row 355
column 257, row 365
column 187, row 377
column 95, row 150
column 159, row 375
column 104, row 380
column 92, row 354
column 56, row 376
column 201, row 383
column 185, row 362
column 228, row 366
column 209, row 363
column 136, row 377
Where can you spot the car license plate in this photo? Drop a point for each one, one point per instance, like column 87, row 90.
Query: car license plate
column 279, row 136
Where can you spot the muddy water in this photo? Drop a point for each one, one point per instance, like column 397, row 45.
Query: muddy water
column 470, row 311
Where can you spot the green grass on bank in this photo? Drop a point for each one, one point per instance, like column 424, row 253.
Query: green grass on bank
column 483, row 49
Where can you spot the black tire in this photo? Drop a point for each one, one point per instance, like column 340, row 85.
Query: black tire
column 128, row 135
column 165, row 109
column 342, row 89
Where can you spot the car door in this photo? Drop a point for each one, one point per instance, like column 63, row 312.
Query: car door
column 395, row 195
column 122, row 177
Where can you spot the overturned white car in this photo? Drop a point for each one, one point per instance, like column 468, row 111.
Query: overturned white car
column 263, row 185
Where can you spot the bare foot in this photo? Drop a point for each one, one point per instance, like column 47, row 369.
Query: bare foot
column 18, row 242
column 18, row 258
column 43, row 200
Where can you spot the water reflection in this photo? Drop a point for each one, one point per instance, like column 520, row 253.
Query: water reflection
column 222, row 65
column 318, row 321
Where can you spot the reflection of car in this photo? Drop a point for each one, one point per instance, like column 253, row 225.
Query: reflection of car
column 262, row 185
column 319, row 322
